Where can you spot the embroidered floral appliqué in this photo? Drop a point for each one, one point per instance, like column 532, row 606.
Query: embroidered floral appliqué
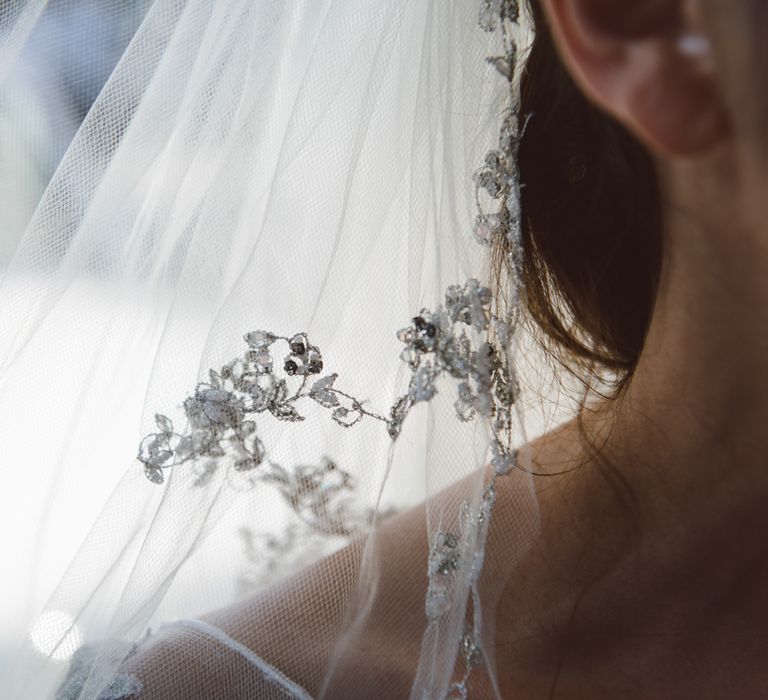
column 461, row 340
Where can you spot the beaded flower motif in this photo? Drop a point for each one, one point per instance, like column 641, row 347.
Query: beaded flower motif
column 221, row 413
column 461, row 339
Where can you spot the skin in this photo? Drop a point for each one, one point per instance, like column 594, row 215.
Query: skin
column 648, row 576
column 662, row 594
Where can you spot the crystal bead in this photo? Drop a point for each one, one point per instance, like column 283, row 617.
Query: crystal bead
column 259, row 339
column 470, row 650
column 449, row 564
column 450, row 540
column 244, row 465
column 505, row 142
column 422, row 384
column 411, row 356
column 487, row 180
column 453, row 295
column 397, row 415
column 464, row 405
column 154, row 474
column 501, row 64
column 489, row 15
column 504, row 393
column 512, row 205
column 493, row 160
column 262, row 361
column 314, row 362
column 510, row 9
column 485, row 228
column 405, row 335
column 163, row 423
column 458, row 691
column 437, row 603
column 501, row 461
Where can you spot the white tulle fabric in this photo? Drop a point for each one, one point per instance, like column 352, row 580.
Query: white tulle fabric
column 292, row 166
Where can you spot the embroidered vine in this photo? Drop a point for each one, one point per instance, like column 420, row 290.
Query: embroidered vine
column 221, row 413
column 497, row 196
column 463, row 340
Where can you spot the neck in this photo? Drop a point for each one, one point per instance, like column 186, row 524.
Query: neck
column 661, row 536
column 698, row 402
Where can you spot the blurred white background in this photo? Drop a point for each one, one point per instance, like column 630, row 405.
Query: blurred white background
column 65, row 63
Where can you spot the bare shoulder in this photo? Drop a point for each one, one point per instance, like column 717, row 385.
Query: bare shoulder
column 359, row 613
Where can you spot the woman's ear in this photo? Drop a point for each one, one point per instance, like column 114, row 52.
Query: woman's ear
column 649, row 64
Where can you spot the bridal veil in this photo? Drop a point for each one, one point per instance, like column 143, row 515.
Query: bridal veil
column 247, row 322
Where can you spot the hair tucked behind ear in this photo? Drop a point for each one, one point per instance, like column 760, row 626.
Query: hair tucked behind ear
column 592, row 227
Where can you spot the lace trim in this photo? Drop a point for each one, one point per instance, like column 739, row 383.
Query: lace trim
column 269, row 672
column 122, row 686
column 467, row 339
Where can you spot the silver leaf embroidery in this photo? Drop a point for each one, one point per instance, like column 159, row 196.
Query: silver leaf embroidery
column 461, row 340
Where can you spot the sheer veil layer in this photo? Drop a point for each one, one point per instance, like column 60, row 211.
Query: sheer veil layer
column 255, row 387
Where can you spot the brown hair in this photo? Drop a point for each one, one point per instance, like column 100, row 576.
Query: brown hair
column 591, row 219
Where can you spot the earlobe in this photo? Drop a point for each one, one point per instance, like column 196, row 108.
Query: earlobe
column 675, row 106
column 643, row 62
